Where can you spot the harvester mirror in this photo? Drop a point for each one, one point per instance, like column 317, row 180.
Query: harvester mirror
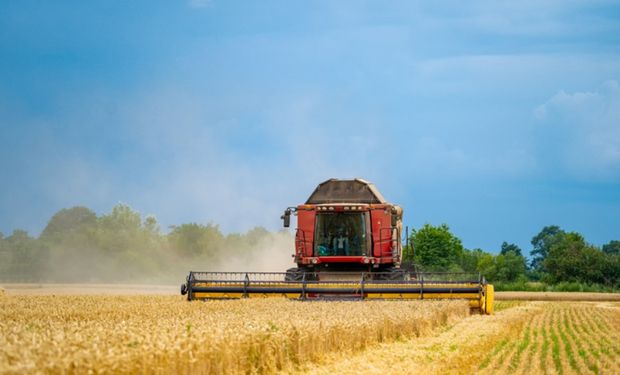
column 286, row 218
column 395, row 216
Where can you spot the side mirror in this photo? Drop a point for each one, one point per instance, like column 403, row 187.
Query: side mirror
column 397, row 213
column 286, row 218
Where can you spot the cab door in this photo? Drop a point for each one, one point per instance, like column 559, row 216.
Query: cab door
column 380, row 219
column 304, row 238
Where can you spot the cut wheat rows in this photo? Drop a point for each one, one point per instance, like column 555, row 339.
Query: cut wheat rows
column 522, row 338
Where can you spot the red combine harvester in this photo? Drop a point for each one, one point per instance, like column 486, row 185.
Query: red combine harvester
column 347, row 225
column 347, row 246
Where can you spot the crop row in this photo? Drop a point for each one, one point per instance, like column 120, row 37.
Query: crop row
column 563, row 338
column 522, row 338
column 157, row 334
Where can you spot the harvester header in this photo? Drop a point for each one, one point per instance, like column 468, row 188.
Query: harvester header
column 347, row 246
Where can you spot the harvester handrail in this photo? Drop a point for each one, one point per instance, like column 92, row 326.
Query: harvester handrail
column 248, row 278
column 300, row 251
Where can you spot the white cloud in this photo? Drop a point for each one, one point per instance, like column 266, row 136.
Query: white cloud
column 511, row 73
column 534, row 18
column 433, row 159
column 579, row 132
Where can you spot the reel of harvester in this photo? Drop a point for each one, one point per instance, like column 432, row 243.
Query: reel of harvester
column 341, row 286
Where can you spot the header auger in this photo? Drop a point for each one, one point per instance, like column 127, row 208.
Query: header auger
column 347, row 246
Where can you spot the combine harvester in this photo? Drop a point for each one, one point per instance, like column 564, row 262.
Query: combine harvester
column 347, row 246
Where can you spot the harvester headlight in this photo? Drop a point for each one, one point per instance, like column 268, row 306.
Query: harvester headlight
column 366, row 260
column 346, row 208
column 331, row 208
column 315, row 261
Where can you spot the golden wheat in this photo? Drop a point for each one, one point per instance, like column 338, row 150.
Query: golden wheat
column 157, row 334
column 529, row 337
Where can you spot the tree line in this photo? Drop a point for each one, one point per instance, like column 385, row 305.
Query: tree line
column 121, row 246
column 77, row 245
column 560, row 258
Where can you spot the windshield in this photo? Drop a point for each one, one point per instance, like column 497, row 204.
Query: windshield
column 340, row 233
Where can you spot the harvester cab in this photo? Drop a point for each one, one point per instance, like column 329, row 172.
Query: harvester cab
column 347, row 226
column 347, row 246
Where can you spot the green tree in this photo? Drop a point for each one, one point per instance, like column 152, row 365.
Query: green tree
column 195, row 240
column 487, row 266
column 471, row 259
column 506, row 247
column 122, row 220
column 119, row 247
column 542, row 244
column 68, row 221
column 506, row 267
column 612, row 248
column 436, row 248
column 611, row 270
column 510, row 266
column 151, row 225
column 255, row 235
column 571, row 259
column 6, row 259
column 25, row 257
column 71, row 236
column 119, row 231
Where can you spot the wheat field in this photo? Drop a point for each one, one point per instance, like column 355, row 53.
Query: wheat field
column 563, row 338
column 521, row 338
column 167, row 334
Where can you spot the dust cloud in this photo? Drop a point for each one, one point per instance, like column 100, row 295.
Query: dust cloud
column 273, row 253
column 148, row 263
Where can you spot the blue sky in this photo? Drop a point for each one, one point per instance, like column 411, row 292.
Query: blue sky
column 495, row 117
